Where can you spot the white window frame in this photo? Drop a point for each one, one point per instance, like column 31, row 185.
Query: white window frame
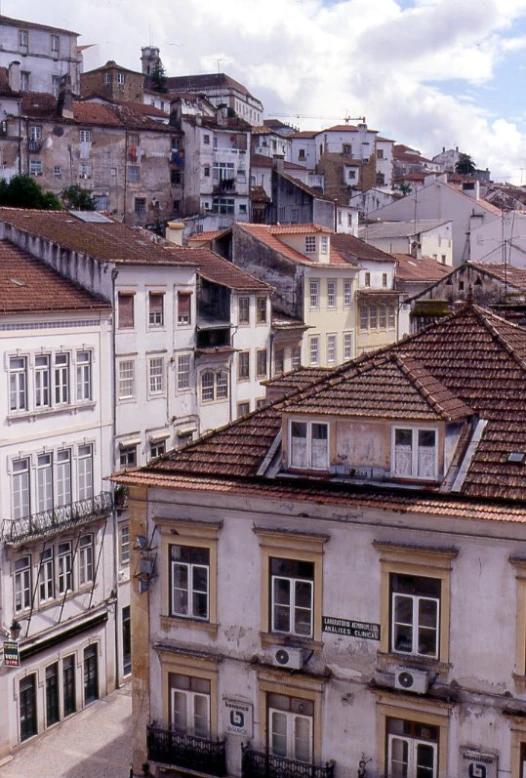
column 332, row 287
column 190, row 590
column 291, row 605
column 126, row 379
column 42, row 380
column 332, row 348
column 184, row 371
column 191, row 698
column 21, row 488
column 314, row 294
column 63, row 478
column 347, row 294
column 324, row 244
column 414, row 623
column 84, row 361
column 412, row 754
column 314, row 350
column 85, row 136
column 61, row 378
column 347, row 345
column 45, row 490
column 310, row 244
column 155, row 318
column 18, row 399
column 86, row 559
column 85, row 481
column 308, row 439
column 22, row 584
column 243, row 366
column 46, row 575
column 156, row 375
column 291, row 719
column 124, row 544
column 414, row 452
column 55, row 44
column 296, row 357
column 65, row 567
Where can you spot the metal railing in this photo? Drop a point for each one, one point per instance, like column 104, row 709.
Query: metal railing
column 34, row 144
column 46, row 522
column 226, row 185
column 195, row 753
column 261, row 764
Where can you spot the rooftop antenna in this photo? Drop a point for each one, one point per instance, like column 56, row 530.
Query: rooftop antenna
column 218, row 60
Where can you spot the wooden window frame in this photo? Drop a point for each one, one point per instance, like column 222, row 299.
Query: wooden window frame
column 194, row 667
column 435, row 714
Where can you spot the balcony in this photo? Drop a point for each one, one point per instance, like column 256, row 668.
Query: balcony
column 34, row 144
column 49, row 522
column 177, row 158
column 194, row 753
column 256, row 764
column 227, row 185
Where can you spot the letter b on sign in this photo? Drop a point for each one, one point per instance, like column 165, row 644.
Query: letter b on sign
column 237, row 719
column 477, row 770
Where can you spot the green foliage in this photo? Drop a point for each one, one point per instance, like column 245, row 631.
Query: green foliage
column 465, row 165
column 405, row 188
column 25, row 192
column 158, row 78
column 75, row 198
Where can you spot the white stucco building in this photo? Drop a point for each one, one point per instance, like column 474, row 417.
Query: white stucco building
column 426, row 238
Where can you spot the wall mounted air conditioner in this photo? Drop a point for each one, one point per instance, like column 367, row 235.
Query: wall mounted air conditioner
column 291, row 658
column 410, row 680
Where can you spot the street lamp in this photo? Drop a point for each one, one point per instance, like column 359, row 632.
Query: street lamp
column 15, row 629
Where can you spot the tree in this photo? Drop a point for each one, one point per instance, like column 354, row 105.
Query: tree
column 75, row 198
column 25, row 192
column 405, row 188
column 158, row 78
column 465, row 165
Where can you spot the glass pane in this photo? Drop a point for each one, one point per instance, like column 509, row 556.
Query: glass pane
column 278, row 733
column 303, row 594
column 403, row 609
column 179, row 711
column 200, row 579
column 398, row 758
column 200, row 605
column 281, row 618
column 281, row 588
column 427, row 642
column 201, row 727
column 425, row 760
column 302, row 621
column 427, row 613
column 302, row 739
column 180, row 576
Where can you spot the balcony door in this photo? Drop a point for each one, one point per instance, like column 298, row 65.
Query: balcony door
column 91, row 675
column 190, row 705
column 28, row 707
column 290, row 727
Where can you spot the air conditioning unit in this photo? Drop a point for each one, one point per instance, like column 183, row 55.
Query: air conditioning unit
column 410, row 680
column 291, row 658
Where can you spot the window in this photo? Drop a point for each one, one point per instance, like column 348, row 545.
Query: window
column 68, row 685
column 291, row 596
column 301, row 154
column 412, row 749
column 65, row 568
column 243, row 366
column 52, row 710
column 107, row 80
column 46, row 576
column 28, row 707
column 207, row 171
column 347, row 294
column 373, row 317
column 314, row 292
column 324, row 244
column 314, row 349
column 139, row 205
column 85, row 170
column 244, row 310
column 125, row 305
column 24, row 81
column 347, row 345
column 35, row 132
column 379, row 153
column 184, row 307
column 120, row 78
column 55, row 44
column 190, row 705
column 391, row 320
column 83, row 375
column 42, row 381
column 367, row 279
column 124, row 544
column 261, row 363
column 414, row 453
column 206, row 140
column 23, row 38
column 44, row 483
column 183, row 371
column 22, row 583
column 384, row 279
column 126, row 379
column 175, row 177
column 290, row 727
column 222, row 385
column 382, row 317
column 21, row 501
column 157, row 449
column 331, row 294
column 261, row 310
column 242, row 409
column 63, row 477
column 352, row 175
column 415, row 607
column 346, row 148
column 223, row 205
column 279, row 361
column 309, row 445
column 134, row 174
column 157, row 375
column 18, row 384
column 35, row 167
column 296, row 357
column 331, row 348
column 189, row 571
column 61, row 374
column 86, row 559
column 156, row 309
column 128, row 457
column 214, row 386
column 380, row 179
column 85, row 136
column 443, row 259
column 310, row 244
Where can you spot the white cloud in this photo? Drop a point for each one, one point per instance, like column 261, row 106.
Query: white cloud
column 305, row 57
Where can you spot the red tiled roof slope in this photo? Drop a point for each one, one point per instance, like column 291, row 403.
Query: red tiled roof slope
column 219, row 270
column 425, row 269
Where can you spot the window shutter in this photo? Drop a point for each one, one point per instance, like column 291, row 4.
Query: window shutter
column 184, row 300
column 126, row 310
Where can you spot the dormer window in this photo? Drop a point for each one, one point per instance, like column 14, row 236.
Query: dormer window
column 310, row 244
column 324, row 244
column 414, row 453
column 309, row 445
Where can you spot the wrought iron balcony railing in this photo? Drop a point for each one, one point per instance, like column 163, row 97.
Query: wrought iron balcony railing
column 34, row 144
column 194, row 753
column 226, row 185
column 257, row 764
column 48, row 522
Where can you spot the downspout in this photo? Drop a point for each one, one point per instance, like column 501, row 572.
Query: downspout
column 125, row 202
column 114, row 275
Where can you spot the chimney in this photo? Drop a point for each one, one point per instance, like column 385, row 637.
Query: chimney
column 222, row 116
column 443, row 149
column 65, row 98
column 416, row 249
column 174, row 233
column 278, row 164
column 14, row 76
column 472, row 189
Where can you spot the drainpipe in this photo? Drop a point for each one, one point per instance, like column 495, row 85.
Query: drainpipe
column 125, row 203
column 114, row 275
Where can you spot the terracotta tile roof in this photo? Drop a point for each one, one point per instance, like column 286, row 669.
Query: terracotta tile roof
column 424, row 269
column 263, row 130
column 296, row 380
column 343, row 128
column 305, row 188
column 27, row 285
column 94, row 113
column 258, row 195
column 283, row 321
column 359, row 249
column 471, row 357
column 393, row 386
column 269, row 234
column 261, row 160
column 218, row 270
column 196, row 83
column 201, row 237
column 134, row 116
column 111, row 65
column 508, row 274
column 481, row 202
column 304, row 134
column 108, row 242
column 395, row 500
column 38, row 104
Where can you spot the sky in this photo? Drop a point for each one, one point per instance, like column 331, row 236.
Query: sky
column 427, row 73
